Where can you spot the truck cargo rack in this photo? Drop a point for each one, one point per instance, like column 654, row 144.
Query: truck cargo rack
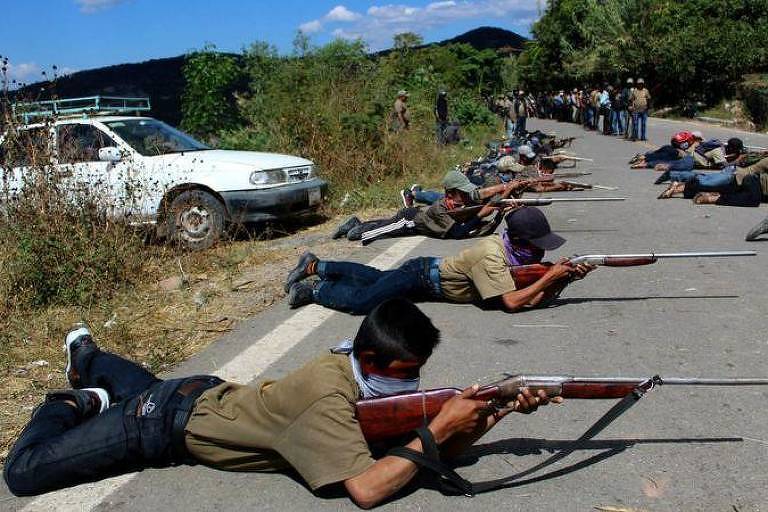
column 75, row 107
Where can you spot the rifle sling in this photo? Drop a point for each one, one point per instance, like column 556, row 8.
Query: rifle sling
column 450, row 482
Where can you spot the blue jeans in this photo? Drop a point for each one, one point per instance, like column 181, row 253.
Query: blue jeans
column 427, row 196
column 510, row 125
column 716, row 181
column 520, row 126
column 617, row 124
column 639, row 120
column 356, row 288
column 58, row 449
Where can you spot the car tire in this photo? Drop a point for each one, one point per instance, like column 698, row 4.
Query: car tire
column 195, row 220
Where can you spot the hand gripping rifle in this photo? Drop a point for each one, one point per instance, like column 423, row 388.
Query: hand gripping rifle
column 392, row 417
column 526, row 275
column 463, row 214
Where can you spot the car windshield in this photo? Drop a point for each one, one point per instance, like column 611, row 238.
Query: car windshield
column 151, row 137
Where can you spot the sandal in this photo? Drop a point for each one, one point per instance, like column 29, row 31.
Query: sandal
column 674, row 188
column 706, row 198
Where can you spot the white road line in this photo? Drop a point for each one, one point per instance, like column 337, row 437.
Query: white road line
column 242, row 368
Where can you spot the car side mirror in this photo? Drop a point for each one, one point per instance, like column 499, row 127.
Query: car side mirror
column 110, row 154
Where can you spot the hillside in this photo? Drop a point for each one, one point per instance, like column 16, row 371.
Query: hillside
column 162, row 80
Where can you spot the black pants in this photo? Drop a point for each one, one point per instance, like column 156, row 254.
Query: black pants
column 401, row 224
column 57, row 449
column 749, row 194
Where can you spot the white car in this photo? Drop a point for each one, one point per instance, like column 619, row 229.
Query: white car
column 147, row 172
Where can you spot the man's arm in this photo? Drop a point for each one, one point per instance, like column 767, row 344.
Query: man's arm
column 505, row 189
column 461, row 421
column 550, row 284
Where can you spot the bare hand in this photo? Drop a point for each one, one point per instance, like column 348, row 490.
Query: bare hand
column 460, row 414
column 560, row 270
column 487, row 210
column 515, row 186
column 526, row 402
column 661, row 167
column 581, row 270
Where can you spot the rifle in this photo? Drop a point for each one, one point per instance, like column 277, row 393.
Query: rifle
column 756, row 149
column 568, row 157
column 462, row 214
column 526, row 275
column 587, row 186
column 396, row 415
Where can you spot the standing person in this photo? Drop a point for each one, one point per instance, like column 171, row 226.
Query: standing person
column 304, row 421
column 584, row 107
column 605, row 108
column 509, row 114
column 521, row 114
column 441, row 115
column 640, row 102
column 627, row 92
column 594, row 103
column 401, row 117
column 617, row 125
column 575, row 106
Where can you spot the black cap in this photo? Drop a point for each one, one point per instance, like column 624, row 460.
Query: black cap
column 734, row 146
column 529, row 223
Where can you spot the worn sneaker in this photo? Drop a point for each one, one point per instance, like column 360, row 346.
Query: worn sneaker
column 407, row 196
column 760, row 229
column 303, row 269
column 300, row 294
column 416, row 188
column 345, row 226
column 77, row 339
column 89, row 401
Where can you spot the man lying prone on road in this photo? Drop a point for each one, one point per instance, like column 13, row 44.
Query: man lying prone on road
column 481, row 274
column 435, row 220
column 120, row 418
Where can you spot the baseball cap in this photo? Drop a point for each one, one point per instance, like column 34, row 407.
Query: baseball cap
column 529, row 223
column 640, row 81
column 630, row 81
column 458, row 181
column 402, row 92
column 697, row 135
column 526, row 151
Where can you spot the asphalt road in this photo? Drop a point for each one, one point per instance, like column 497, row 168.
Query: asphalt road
column 677, row 449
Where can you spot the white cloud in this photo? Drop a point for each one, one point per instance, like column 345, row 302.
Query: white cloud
column 341, row 13
column 23, row 72
column 92, row 6
column 311, row 27
column 338, row 14
column 381, row 22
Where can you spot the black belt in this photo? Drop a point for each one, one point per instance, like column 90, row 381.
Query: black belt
column 189, row 391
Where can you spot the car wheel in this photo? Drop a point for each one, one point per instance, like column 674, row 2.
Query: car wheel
column 195, row 220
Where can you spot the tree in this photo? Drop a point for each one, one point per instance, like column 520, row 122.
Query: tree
column 208, row 104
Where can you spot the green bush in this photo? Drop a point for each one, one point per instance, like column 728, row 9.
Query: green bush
column 754, row 93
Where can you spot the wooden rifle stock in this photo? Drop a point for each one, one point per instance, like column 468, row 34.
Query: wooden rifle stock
column 526, row 275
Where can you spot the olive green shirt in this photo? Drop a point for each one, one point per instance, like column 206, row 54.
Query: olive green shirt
column 478, row 273
column 305, row 420
column 434, row 220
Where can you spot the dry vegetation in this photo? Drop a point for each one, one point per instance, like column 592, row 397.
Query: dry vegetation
column 65, row 262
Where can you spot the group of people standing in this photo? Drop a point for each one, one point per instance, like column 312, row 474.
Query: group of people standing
column 620, row 111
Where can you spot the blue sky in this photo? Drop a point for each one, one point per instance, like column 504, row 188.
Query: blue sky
column 83, row 34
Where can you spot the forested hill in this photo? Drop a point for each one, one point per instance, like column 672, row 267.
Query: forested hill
column 162, row 79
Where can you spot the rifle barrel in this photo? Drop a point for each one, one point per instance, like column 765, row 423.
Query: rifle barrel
column 715, row 254
column 674, row 381
column 565, row 199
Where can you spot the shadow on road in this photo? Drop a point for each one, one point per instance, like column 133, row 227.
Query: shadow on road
column 582, row 300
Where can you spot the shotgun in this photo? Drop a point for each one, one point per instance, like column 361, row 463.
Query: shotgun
column 568, row 157
column 463, row 214
column 393, row 416
column 526, row 275
column 587, row 186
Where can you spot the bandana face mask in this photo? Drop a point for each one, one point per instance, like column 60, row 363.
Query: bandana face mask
column 518, row 254
column 372, row 385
